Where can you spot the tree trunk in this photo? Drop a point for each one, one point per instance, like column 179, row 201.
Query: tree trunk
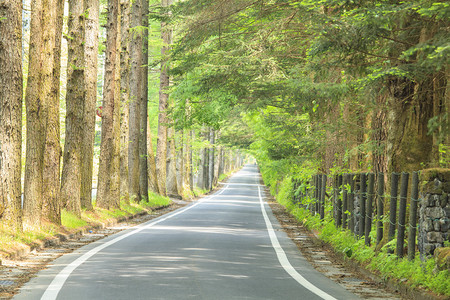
column 152, row 181
column 124, row 96
column 205, row 165
column 51, row 207
column 191, row 160
column 143, row 177
column 115, row 162
column 441, row 105
column 87, row 147
column 408, row 146
column 161, row 147
column 179, row 156
column 218, row 163
column 108, row 189
column 172, row 188
column 38, row 94
column 379, row 135
column 186, row 166
column 221, row 161
column 11, row 112
column 211, row 159
column 201, row 169
column 136, row 81
column 75, row 98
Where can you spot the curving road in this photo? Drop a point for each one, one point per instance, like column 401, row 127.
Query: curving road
column 225, row 246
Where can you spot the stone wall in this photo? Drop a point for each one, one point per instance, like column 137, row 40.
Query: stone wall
column 434, row 210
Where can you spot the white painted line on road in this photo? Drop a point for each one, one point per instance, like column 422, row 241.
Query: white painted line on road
column 282, row 258
column 55, row 286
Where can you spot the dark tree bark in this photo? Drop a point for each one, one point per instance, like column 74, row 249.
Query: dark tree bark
column 191, row 160
column 136, row 81
column 171, row 182
column 51, row 207
column 161, row 147
column 221, row 161
column 108, row 195
column 211, row 159
column 88, row 135
column 201, row 169
column 143, row 175
column 38, row 96
column 75, row 101
column 206, row 162
column 11, row 112
column 125, row 7
column 379, row 135
column 152, row 181
column 179, row 164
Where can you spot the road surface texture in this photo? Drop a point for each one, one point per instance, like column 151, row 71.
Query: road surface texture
column 225, row 246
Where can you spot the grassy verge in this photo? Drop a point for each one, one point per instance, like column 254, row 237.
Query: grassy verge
column 11, row 241
column 417, row 273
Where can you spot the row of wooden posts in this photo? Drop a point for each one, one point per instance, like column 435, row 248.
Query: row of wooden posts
column 348, row 187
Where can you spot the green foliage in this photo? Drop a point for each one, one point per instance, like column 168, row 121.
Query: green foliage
column 137, row 31
column 287, row 66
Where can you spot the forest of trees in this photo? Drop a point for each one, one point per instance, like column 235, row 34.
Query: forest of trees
column 301, row 85
column 74, row 111
column 325, row 86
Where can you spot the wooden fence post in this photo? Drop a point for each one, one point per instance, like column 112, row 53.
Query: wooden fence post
column 368, row 226
column 294, row 188
column 351, row 206
column 322, row 196
column 402, row 214
column 319, row 189
column 316, row 193
column 344, row 200
column 380, row 206
column 339, row 201
column 413, row 216
column 362, row 202
column 393, row 208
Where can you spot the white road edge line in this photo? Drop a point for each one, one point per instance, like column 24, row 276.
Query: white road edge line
column 282, row 258
column 52, row 291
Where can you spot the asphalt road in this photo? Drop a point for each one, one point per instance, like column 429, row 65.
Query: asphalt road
column 224, row 246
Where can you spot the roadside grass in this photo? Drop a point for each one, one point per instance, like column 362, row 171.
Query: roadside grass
column 156, row 200
column 223, row 177
column 198, row 191
column 11, row 241
column 70, row 220
column 416, row 273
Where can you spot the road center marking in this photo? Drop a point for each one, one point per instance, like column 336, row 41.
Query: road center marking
column 282, row 258
column 52, row 291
